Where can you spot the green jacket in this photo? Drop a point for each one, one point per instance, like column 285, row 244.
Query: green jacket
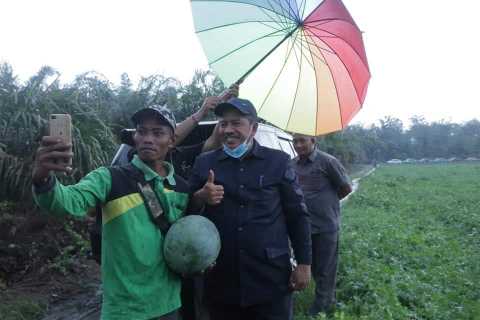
column 136, row 281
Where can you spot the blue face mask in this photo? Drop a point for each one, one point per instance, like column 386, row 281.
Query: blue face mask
column 236, row 152
column 240, row 150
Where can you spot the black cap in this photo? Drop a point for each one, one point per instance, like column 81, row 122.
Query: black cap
column 244, row 106
column 162, row 112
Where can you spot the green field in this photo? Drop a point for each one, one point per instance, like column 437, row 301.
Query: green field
column 410, row 246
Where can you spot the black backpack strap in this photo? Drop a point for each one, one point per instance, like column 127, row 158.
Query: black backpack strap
column 150, row 199
column 154, row 207
column 95, row 232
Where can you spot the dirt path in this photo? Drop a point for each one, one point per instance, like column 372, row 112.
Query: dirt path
column 356, row 183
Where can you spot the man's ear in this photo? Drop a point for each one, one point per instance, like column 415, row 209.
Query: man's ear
column 173, row 139
column 255, row 128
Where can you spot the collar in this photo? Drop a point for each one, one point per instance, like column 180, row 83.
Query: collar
column 151, row 175
column 255, row 151
column 311, row 157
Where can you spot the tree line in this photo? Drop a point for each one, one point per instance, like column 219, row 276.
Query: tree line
column 101, row 109
column 391, row 139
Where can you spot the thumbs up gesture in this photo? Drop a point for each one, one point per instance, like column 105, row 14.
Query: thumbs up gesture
column 211, row 192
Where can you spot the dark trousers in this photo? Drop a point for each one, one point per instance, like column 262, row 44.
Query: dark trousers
column 279, row 309
column 193, row 307
column 187, row 295
column 324, row 270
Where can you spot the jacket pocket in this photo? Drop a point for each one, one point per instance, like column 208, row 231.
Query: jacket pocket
column 279, row 257
column 263, row 198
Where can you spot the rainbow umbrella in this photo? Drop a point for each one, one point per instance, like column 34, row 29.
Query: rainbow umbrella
column 301, row 62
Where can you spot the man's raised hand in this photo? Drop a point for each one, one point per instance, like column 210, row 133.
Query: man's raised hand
column 52, row 155
column 213, row 193
column 231, row 92
column 209, row 104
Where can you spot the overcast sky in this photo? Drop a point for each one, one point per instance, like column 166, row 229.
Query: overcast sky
column 424, row 55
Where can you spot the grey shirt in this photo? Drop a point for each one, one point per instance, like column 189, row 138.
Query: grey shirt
column 321, row 176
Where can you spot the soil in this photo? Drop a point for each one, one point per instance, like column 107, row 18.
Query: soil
column 44, row 261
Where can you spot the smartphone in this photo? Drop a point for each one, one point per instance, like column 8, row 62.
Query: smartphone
column 60, row 125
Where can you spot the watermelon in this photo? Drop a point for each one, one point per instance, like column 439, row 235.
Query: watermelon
column 191, row 245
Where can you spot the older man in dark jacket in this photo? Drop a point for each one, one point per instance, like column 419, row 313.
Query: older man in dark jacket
column 251, row 194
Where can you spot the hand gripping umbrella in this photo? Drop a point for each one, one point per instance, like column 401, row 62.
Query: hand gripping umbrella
column 301, row 62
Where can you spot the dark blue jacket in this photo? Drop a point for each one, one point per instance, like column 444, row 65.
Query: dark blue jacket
column 262, row 208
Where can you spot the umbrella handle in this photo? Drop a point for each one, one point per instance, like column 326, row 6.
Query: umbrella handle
column 239, row 81
column 224, row 93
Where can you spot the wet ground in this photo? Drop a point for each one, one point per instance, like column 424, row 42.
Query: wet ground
column 44, row 264
column 84, row 306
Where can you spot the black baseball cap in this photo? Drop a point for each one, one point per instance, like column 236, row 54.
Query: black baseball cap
column 161, row 112
column 244, row 106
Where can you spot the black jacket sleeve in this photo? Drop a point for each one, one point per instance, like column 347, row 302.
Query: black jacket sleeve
column 197, row 178
column 297, row 216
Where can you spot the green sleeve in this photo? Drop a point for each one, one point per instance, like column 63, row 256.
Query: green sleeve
column 76, row 199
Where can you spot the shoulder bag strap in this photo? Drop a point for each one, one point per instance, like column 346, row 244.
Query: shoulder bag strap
column 150, row 199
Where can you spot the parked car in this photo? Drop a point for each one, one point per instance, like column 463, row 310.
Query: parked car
column 267, row 135
column 394, row 161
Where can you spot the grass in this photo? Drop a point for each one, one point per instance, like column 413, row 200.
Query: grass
column 410, row 246
column 20, row 308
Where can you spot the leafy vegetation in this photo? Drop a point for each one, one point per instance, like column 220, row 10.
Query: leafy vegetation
column 410, row 246
column 98, row 108
column 20, row 308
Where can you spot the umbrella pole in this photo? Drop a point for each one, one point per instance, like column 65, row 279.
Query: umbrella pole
column 242, row 78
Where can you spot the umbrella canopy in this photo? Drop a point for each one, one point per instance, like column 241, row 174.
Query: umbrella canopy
column 301, row 62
